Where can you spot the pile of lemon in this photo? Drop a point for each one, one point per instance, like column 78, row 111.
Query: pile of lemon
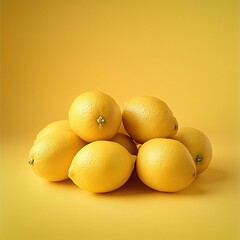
column 99, row 146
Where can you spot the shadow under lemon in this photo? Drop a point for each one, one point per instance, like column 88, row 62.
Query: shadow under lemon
column 204, row 183
column 133, row 186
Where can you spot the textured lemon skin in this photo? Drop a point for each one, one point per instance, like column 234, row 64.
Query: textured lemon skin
column 198, row 145
column 101, row 166
column 148, row 117
column 165, row 165
column 51, row 155
column 126, row 142
column 94, row 116
column 60, row 125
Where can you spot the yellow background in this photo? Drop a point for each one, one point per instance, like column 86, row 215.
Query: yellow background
column 184, row 52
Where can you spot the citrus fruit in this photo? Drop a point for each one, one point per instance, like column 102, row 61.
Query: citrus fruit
column 94, row 116
column 101, row 166
column 198, row 145
column 122, row 129
column 126, row 142
column 148, row 117
column 52, row 154
column 165, row 165
column 60, row 125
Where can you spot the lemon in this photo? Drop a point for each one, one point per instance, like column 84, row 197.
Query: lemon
column 165, row 165
column 94, row 116
column 101, row 166
column 60, row 125
column 148, row 117
column 122, row 129
column 198, row 145
column 126, row 142
column 52, row 154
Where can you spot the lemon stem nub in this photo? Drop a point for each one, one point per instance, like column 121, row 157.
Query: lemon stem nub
column 100, row 120
column 198, row 159
column 31, row 161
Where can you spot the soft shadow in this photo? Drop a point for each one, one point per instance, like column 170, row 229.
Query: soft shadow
column 133, row 186
column 203, row 184
column 68, row 183
column 212, row 175
column 200, row 186
column 194, row 189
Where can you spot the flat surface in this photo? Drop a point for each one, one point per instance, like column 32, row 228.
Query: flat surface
column 183, row 52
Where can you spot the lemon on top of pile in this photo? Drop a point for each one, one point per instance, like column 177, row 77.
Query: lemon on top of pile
column 148, row 117
column 98, row 146
column 95, row 116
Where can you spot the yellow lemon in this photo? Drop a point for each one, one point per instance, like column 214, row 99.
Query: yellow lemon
column 101, row 166
column 165, row 165
column 60, row 125
column 148, row 117
column 94, row 116
column 126, row 142
column 122, row 129
column 198, row 145
column 52, row 154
